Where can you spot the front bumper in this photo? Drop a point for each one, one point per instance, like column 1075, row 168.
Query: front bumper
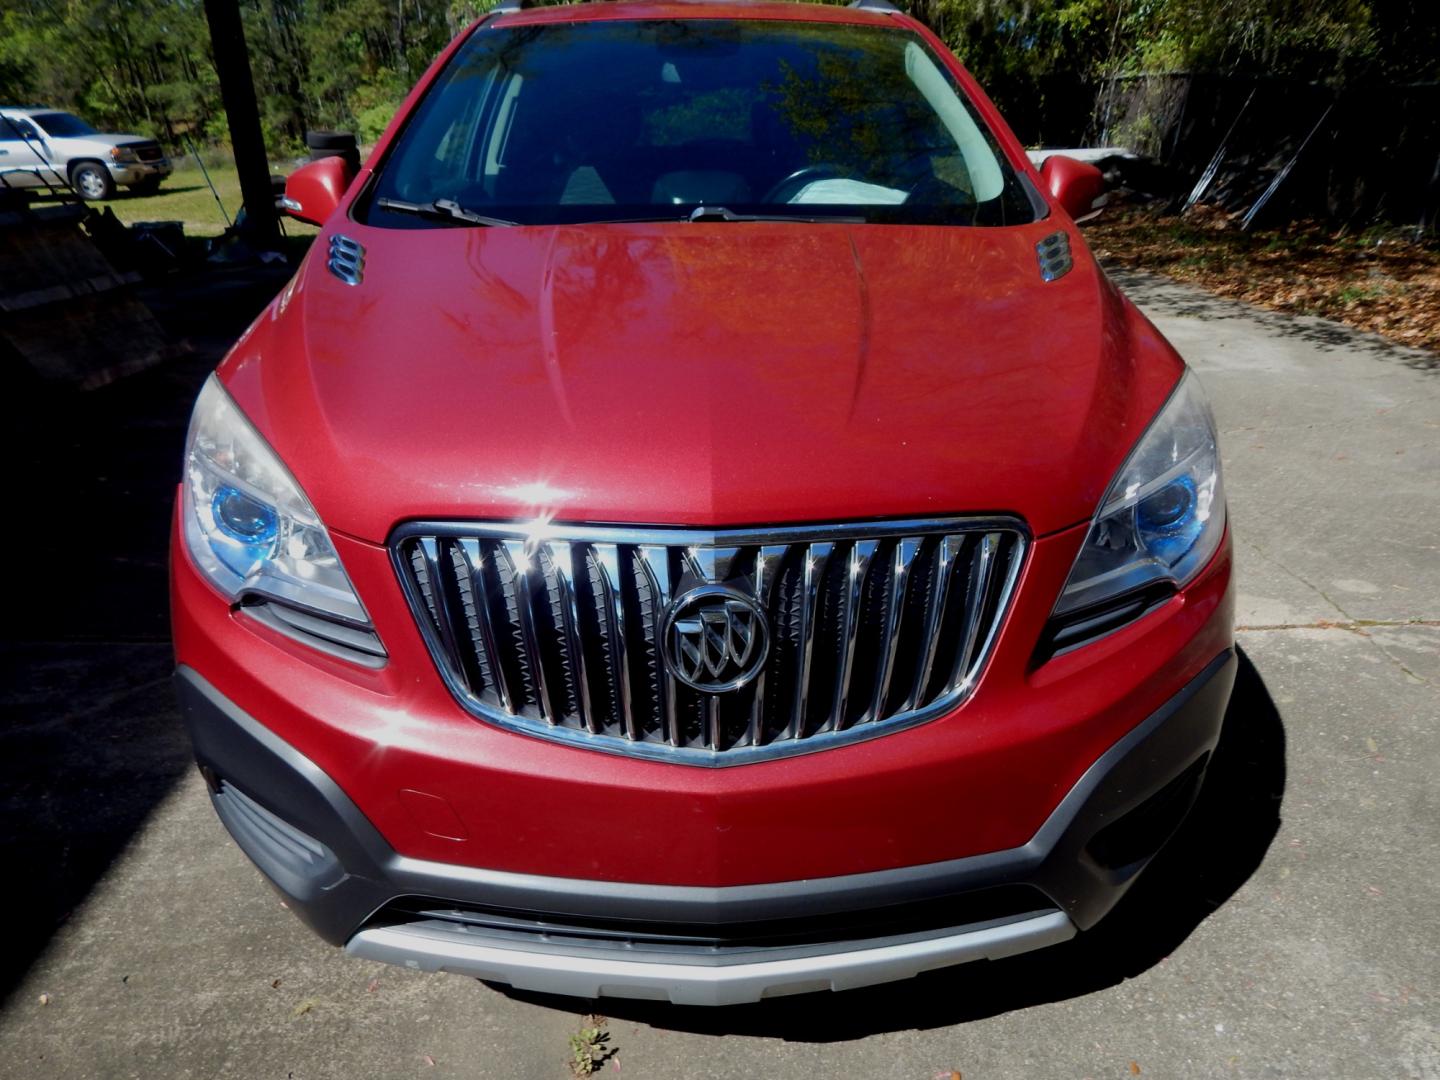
column 138, row 172
column 686, row 943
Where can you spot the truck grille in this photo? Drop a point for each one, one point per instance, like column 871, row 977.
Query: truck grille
column 712, row 647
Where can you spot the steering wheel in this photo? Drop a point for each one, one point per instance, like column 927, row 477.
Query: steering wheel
column 796, row 182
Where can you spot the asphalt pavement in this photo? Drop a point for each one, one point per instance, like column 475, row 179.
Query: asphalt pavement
column 1292, row 929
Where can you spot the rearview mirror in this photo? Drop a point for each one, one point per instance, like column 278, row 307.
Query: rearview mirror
column 1075, row 185
column 313, row 191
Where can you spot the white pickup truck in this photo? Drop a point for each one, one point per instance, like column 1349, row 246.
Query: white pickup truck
column 46, row 147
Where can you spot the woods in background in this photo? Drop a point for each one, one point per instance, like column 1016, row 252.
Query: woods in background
column 145, row 65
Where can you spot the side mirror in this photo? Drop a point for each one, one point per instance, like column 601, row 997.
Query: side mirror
column 313, row 191
column 1075, row 185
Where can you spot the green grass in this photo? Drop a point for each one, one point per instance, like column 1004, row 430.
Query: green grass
column 184, row 196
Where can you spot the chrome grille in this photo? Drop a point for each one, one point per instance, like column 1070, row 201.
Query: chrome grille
column 562, row 631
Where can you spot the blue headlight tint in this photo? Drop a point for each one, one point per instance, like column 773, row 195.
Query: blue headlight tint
column 248, row 529
column 1167, row 519
column 1167, row 508
column 242, row 518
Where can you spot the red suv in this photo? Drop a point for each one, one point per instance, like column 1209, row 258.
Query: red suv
column 699, row 525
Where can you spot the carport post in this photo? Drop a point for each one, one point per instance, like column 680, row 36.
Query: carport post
column 237, row 90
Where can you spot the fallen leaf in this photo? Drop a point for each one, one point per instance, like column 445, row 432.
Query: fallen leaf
column 1134, row 1068
column 44, row 999
column 428, row 1060
column 303, row 1008
column 374, row 985
column 275, row 985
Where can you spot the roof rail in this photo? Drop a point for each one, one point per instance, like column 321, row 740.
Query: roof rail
column 873, row 5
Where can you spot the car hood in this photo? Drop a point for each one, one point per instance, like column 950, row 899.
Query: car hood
column 100, row 140
column 701, row 374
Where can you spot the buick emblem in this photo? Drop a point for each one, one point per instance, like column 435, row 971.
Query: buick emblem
column 716, row 638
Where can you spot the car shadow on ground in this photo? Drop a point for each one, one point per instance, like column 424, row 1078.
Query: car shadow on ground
column 1215, row 851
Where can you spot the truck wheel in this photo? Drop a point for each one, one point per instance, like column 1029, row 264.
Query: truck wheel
column 92, row 181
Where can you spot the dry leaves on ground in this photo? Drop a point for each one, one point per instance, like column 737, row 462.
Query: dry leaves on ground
column 1380, row 280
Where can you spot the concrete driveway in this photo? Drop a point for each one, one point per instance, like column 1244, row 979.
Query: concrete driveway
column 1291, row 930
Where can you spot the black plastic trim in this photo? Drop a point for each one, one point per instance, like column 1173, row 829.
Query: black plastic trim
column 1077, row 628
column 324, row 635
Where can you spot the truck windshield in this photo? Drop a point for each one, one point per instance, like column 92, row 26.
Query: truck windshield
column 62, row 125
column 672, row 119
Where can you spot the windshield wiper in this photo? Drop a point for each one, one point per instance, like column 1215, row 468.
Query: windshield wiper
column 441, row 210
column 724, row 213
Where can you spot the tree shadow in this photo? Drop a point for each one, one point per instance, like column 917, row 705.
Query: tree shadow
column 1214, row 852
column 1161, row 296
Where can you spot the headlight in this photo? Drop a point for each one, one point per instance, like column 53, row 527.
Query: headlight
column 248, row 525
column 122, row 154
column 1164, row 514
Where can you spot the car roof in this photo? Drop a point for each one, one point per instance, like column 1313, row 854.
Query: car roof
column 873, row 12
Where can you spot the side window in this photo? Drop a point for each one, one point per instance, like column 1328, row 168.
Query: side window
column 16, row 128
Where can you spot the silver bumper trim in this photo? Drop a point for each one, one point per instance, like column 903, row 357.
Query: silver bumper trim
column 574, row 975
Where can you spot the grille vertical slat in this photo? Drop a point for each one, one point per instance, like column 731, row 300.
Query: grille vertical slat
column 902, row 557
column 812, row 573
column 767, row 568
column 562, row 557
column 610, row 607
column 473, row 584
column 566, row 634
column 713, row 733
column 524, row 569
column 654, row 564
column 439, row 603
column 858, row 565
column 944, row 560
column 981, row 568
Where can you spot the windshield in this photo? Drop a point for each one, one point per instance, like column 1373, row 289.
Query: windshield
column 653, row 120
column 62, row 125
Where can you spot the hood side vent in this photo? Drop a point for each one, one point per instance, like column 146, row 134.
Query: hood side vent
column 347, row 259
column 1054, row 255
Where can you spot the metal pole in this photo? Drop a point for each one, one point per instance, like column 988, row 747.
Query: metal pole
column 1207, row 177
column 1249, row 217
column 206, row 173
column 237, row 91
